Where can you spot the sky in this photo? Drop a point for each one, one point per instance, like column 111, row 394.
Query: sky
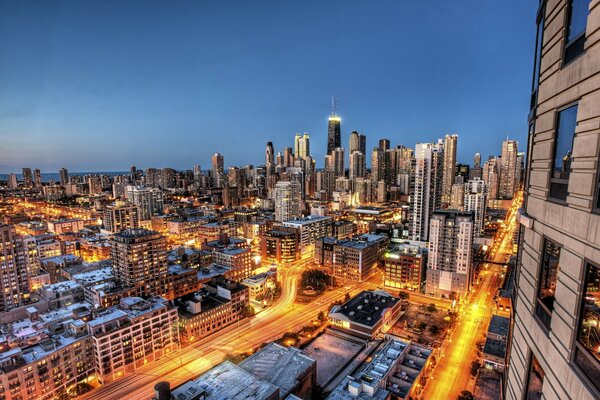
column 99, row 86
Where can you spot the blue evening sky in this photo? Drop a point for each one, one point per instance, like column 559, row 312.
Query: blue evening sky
column 101, row 85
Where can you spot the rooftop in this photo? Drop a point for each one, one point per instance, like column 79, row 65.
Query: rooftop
column 366, row 308
column 307, row 220
column 499, row 325
column 227, row 381
column 282, row 366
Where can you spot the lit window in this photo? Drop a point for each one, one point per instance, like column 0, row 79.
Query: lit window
column 535, row 380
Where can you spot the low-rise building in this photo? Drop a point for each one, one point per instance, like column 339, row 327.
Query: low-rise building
column 129, row 336
column 280, row 245
column 494, row 350
column 66, row 225
column 406, row 266
column 219, row 303
column 366, row 315
column 310, row 229
column 261, row 285
column 62, row 294
column 351, row 260
column 392, row 373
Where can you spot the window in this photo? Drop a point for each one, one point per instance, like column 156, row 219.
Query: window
column 587, row 348
column 547, row 283
column 577, row 20
column 538, row 57
column 535, row 380
column 563, row 147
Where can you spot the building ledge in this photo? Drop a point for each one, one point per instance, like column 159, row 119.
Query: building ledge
column 524, row 219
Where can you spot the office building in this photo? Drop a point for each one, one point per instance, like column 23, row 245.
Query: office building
column 449, row 263
column 288, row 200
column 357, row 165
column 555, row 337
column 508, row 169
column 148, row 199
column 139, row 259
column 280, row 245
column 121, row 215
column 310, row 229
column 302, row 145
column 491, row 176
column 334, row 131
column 358, row 142
column 449, row 168
column 337, row 162
column 37, row 178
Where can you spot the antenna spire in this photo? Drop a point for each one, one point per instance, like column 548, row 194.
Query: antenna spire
column 333, row 106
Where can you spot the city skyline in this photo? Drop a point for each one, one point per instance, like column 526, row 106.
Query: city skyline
column 101, row 90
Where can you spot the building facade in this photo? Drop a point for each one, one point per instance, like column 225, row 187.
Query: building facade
column 555, row 337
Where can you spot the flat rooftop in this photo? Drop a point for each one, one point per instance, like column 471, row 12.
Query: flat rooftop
column 499, row 325
column 282, row 366
column 366, row 308
column 307, row 220
column 227, row 381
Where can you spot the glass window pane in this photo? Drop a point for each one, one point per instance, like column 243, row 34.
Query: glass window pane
column 535, row 380
column 565, row 131
column 538, row 54
column 578, row 15
column 589, row 326
column 549, row 272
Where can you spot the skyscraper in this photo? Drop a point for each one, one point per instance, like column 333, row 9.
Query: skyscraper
column 427, row 189
column 491, row 176
column 288, row 200
column 508, row 170
column 556, row 334
column 449, row 264
column 377, row 165
column 450, row 143
column 139, row 259
column 288, row 157
column 334, row 130
column 64, row 176
column 337, row 161
column 302, row 145
column 384, row 144
column 12, row 181
column 218, row 169
column 197, row 177
column 27, row 177
column 37, row 178
column 357, row 165
column 358, row 142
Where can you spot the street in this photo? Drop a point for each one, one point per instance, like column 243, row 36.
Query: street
column 453, row 371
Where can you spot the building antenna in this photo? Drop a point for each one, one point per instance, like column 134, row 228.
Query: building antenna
column 333, row 106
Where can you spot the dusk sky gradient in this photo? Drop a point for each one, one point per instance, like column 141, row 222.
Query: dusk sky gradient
column 106, row 84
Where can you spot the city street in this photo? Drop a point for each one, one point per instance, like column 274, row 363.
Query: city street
column 267, row 326
column 453, row 371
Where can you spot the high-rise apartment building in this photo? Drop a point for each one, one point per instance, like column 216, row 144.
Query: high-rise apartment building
column 556, row 334
column 27, row 177
column 16, row 262
column 121, row 215
column 491, row 176
column 64, row 176
column 37, row 178
column 94, row 184
column 288, row 200
column 218, row 169
column 508, row 169
column 449, row 264
column 475, row 200
column 457, row 197
column 357, row 165
column 476, row 171
column 139, row 259
column 149, row 200
column 12, row 181
column 450, row 143
column 358, row 142
column 427, row 189
column 384, row 144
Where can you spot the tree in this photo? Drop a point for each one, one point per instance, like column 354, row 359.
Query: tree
column 248, row 311
column 465, row 395
column 346, row 297
column 322, row 317
column 434, row 329
column 431, row 308
column 475, row 367
column 314, row 278
column 403, row 295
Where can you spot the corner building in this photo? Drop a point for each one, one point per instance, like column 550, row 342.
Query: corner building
column 556, row 332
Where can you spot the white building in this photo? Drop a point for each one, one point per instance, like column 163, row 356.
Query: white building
column 426, row 196
column 476, row 201
column 149, row 200
column 288, row 200
column 449, row 265
column 310, row 229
